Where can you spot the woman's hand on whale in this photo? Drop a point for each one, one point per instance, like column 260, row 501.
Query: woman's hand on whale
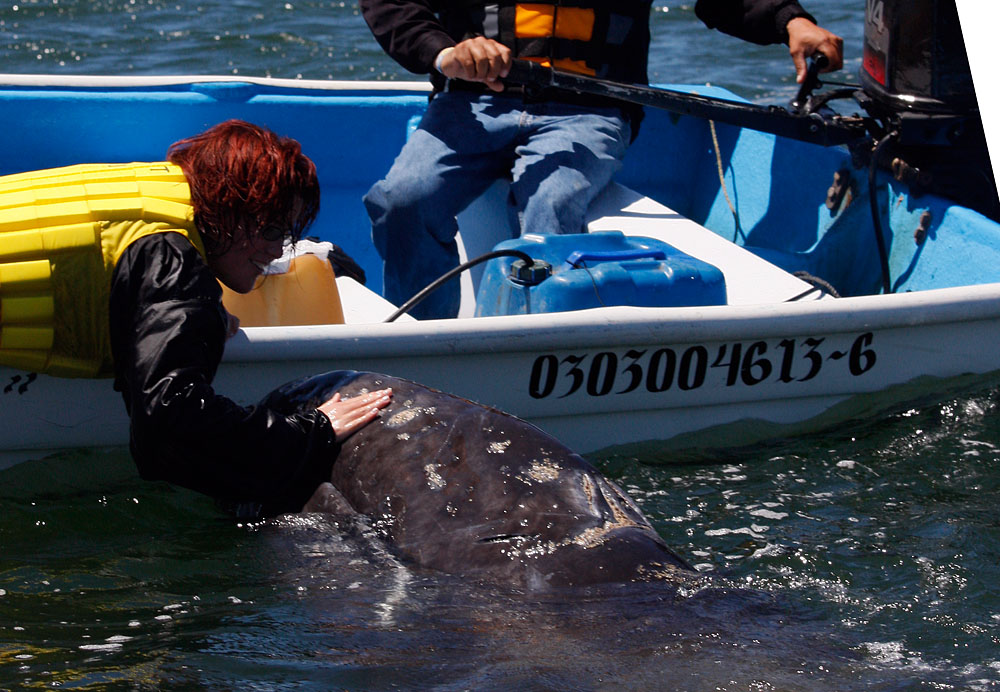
column 349, row 415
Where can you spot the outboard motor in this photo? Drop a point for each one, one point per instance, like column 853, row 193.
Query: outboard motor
column 916, row 73
column 914, row 57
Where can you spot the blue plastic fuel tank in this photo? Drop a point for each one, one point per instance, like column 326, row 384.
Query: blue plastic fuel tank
column 598, row 269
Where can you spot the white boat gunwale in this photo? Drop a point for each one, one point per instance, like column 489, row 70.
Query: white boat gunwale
column 625, row 324
column 139, row 81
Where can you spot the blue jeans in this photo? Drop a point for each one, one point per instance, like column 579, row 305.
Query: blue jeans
column 558, row 156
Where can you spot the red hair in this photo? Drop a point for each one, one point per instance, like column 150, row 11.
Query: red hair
column 239, row 171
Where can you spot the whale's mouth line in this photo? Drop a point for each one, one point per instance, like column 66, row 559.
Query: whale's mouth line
column 507, row 537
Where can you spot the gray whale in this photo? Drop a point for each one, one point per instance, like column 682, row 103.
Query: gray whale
column 466, row 489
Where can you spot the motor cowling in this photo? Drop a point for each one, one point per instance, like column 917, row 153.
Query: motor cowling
column 915, row 58
column 915, row 74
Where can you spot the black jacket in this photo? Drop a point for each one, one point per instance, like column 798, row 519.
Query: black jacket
column 413, row 32
column 757, row 21
column 168, row 331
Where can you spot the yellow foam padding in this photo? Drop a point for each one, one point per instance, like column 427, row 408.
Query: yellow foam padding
column 62, row 231
column 541, row 21
column 167, row 210
column 48, row 213
column 33, row 275
column 306, row 294
column 27, row 216
column 45, row 242
column 88, row 192
column 91, row 173
column 174, row 191
column 26, row 337
column 32, row 361
column 42, row 361
column 68, row 366
column 27, row 309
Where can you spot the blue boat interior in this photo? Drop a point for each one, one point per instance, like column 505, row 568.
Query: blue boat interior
column 801, row 206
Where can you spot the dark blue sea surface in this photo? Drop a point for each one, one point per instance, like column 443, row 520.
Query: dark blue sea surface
column 329, row 40
column 866, row 558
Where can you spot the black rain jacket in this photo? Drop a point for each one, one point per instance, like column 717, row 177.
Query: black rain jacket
column 413, row 32
column 168, row 331
column 757, row 21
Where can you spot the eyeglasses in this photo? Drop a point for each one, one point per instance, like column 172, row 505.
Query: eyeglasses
column 273, row 232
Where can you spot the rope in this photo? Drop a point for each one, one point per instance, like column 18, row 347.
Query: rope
column 722, row 181
column 818, row 286
column 883, row 255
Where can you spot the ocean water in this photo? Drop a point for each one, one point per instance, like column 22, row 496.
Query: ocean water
column 323, row 39
column 866, row 558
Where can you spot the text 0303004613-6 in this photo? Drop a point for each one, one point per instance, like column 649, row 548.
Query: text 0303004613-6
column 660, row 369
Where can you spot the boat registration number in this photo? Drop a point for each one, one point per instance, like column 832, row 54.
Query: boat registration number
column 662, row 369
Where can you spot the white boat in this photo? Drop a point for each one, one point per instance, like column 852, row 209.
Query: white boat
column 776, row 357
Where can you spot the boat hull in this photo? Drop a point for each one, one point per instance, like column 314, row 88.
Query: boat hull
column 601, row 379
column 660, row 380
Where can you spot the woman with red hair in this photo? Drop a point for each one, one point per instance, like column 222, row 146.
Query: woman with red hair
column 131, row 256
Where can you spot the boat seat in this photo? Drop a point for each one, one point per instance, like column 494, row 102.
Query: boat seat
column 749, row 279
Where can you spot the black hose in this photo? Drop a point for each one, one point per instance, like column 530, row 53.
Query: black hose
column 444, row 278
column 883, row 255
